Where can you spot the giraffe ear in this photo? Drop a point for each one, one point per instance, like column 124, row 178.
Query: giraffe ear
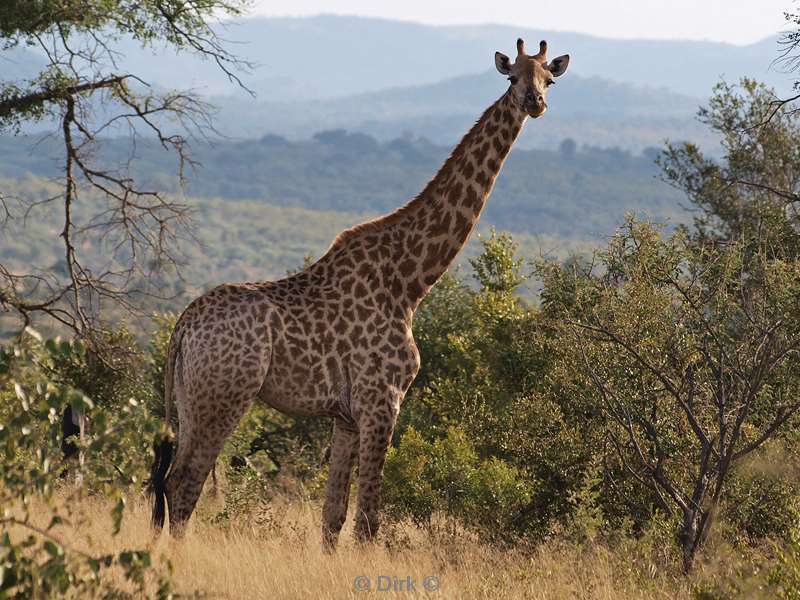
column 502, row 63
column 558, row 66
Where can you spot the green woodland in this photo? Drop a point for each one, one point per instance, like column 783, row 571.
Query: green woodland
column 259, row 208
column 614, row 363
column 574, row 193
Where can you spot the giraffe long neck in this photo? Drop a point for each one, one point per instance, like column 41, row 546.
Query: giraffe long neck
column 393, row 261
column 438, row 222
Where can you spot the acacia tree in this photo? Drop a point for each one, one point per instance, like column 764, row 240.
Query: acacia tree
column 86, row 97
column 691, row 342
column 753, row 190
column 693, row 359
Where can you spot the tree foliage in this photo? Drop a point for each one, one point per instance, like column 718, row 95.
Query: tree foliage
column 693, row 360
column 753, row 189
column 84, row 93
column 39, row 379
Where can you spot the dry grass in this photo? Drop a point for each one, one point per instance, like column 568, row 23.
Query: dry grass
column 278, row 555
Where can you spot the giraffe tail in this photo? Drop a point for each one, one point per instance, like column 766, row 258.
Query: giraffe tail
column 163, row 450
column 157, row 485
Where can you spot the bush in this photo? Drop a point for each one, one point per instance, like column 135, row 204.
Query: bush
column 446, row 477
column 113, row 452
column 764, row 496
column 783, row 577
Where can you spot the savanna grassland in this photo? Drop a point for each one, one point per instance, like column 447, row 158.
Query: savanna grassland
column 608, row 403
column 276, row 553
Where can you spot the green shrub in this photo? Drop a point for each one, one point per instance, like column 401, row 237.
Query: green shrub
column 114, row 451
column 423, row 479
column 784, row 575
column 764, row 495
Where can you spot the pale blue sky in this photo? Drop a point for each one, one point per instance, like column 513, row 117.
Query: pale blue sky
column 734, row 21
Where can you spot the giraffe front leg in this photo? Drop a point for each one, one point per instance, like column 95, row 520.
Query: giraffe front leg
column 375, row 434
column 344, row 451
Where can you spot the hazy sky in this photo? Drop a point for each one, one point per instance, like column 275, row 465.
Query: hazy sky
column 735, row 21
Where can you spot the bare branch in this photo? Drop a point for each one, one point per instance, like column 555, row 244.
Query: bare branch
column 24, row 102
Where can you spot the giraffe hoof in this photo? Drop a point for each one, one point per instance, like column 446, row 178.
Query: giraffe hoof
column 329, row 542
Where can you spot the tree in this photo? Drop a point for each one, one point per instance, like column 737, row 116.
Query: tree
column 693, row 359
column 567, row 148
column 752, row 191
column 488, row 373
column 82, row 91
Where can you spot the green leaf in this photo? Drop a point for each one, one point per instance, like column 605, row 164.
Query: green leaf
column 50, row 345
column 66, row 349
column 52, row 548
column 80, row 402
column 116, row 515
column 94, row 565
column 56, row 520
column 8, row 578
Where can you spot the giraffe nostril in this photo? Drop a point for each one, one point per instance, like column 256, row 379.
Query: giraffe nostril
column 534, row 99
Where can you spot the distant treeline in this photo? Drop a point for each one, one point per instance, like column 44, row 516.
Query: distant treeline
column 575, row 192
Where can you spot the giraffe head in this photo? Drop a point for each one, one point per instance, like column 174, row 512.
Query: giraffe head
column 530, row 76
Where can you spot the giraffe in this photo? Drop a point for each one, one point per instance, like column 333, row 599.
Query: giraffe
column 335, row 339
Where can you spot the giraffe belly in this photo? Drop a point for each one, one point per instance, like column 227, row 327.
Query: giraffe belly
column 303, row 400
column 306, row 375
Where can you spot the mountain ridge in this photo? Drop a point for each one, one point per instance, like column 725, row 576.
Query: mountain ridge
column 619, row 114
column 386, row 78
column 315, row 54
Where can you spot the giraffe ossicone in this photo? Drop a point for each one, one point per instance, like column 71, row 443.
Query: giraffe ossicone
column 335, row 340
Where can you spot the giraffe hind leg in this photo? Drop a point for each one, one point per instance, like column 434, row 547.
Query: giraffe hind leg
column 185, row 481
column 214, row 386
column 343, row 455
column 198, row 449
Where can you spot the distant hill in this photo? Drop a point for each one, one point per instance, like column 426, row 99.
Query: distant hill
column 232, row 240
column 331, row 56
column 592, row 111
column 386, row 78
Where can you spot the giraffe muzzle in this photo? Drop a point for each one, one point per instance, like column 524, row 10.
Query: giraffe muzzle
column 535, row 105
